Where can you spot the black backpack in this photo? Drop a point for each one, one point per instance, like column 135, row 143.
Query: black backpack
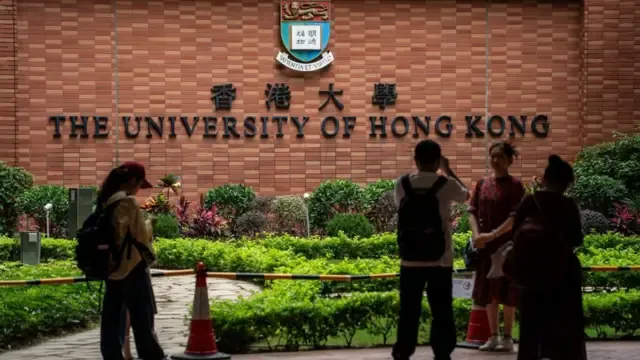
column 421, row 236
column 96, row 252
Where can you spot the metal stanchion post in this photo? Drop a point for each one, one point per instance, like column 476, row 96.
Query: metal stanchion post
column 306, row 208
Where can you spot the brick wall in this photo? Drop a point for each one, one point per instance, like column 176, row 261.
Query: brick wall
column 564, row 59
column 7, row 82
column 611, row 70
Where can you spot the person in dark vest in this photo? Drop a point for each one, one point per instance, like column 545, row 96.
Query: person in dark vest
column 491, row 212
column 552, row 318
column 427, row 260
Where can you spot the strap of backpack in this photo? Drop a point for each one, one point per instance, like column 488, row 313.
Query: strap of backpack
column 405, row 181
column 127, row 244
column 438, row 184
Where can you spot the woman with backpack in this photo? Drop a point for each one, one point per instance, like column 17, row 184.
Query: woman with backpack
column 491, row 211
column 129, row 284
column 547, row 229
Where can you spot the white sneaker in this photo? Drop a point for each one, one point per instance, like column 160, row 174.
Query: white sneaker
column 490, row 345
column 506, row 345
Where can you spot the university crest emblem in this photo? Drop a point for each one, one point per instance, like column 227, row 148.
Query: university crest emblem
column 305, row 28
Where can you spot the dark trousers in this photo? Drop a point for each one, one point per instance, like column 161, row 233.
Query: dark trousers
column 438, row 282
column 134, row 293
column 123, row 325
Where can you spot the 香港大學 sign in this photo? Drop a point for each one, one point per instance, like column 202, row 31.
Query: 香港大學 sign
column 278, row 96
column 251, row 126
column 305, row 29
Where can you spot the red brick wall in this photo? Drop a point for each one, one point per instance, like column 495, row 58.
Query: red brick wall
column 611, row 68
column 570, row 61
column 7, row 82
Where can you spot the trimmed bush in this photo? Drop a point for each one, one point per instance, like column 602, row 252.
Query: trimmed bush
column 334, row 197
column 619, row 159
column 219, row 256
column 285, row 320
column 373, row 191
column 382, row 213
column 334, row 248
column 593, row 222
column 610, row 241
column 384, row 265
column 290, row 215
column 352, row 225
column 32, row 203
column 598, row 192
column 232, row 200
column 166, row 226
column 28, row 314
column 251, row 224
column 51, row 249
column 15, row 181
column 263, row 204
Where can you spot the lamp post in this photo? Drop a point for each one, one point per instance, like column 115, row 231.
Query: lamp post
column 47, row 209
column 306, row 207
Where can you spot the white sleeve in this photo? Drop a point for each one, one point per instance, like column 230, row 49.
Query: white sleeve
column 398, row 193
column 455, row 191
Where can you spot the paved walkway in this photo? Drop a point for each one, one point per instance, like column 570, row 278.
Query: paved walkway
column 596, row 351
column 174, row 296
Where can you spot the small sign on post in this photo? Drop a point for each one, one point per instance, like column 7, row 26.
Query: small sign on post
column 462, row 288
column 80, row 207
column 30, row 247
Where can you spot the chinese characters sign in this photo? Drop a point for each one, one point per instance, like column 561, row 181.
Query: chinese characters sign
column 278, row 96
column 305, row 28
column 305, row 37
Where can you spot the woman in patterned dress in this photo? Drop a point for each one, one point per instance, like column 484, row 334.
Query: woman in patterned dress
column 491, row 218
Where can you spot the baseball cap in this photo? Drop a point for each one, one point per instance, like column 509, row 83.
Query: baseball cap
column 137, row 169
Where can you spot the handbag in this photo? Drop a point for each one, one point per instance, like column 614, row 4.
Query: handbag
column 498, row 259
column 470, row 255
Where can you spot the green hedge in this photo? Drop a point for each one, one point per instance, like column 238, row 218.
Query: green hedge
column 337, row 255
column 280, row 318
column 52, row 249
column 334, row 248
column 220, row 256
column 31, row 313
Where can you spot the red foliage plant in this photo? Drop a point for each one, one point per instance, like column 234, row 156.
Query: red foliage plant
column 626, row 220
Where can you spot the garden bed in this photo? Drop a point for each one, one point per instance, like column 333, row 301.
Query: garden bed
column 364, row 317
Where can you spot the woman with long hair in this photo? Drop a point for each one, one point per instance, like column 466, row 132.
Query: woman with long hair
column 491, row 213
column 552, row 318
column 129, row 285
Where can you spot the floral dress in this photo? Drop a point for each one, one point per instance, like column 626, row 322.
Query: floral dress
column 495, row 199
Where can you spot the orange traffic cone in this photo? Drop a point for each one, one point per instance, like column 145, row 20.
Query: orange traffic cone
column 478, row 331
column 202, row 340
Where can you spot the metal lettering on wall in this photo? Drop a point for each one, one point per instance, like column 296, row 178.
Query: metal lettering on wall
column 278, row 96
